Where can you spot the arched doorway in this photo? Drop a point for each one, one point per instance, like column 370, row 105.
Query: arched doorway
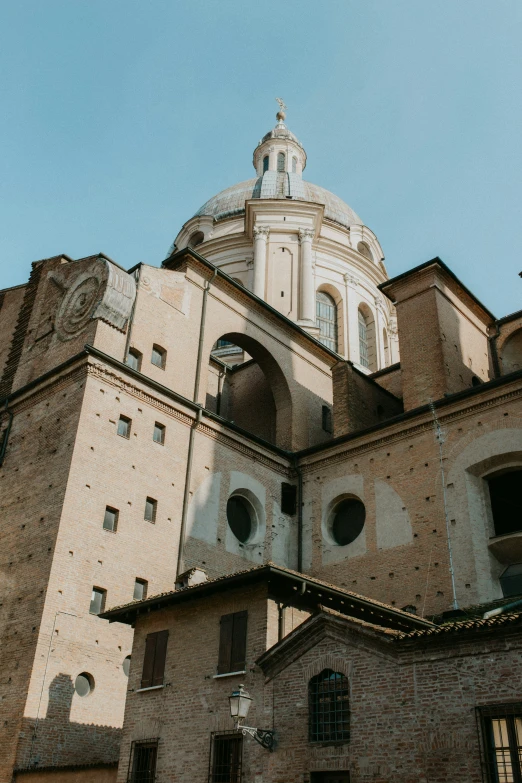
column 246, row 386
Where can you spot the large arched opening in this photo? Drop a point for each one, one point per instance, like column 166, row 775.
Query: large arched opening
column 246, row 386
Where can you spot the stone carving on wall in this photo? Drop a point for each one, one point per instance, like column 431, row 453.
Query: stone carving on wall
column 99, row 291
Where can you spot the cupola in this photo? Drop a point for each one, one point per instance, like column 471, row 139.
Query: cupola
column 279, row 151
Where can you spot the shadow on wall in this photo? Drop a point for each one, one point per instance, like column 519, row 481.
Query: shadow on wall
column 56, row 741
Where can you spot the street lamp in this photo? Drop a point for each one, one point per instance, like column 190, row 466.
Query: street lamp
column 239, row 705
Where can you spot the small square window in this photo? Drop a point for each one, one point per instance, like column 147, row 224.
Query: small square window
column 158, row 436
column 98, row 597
column 159, row 356
column 134, row 359
column 151, row 506
column 110, row 520
column 140, row 589
column 124, row 426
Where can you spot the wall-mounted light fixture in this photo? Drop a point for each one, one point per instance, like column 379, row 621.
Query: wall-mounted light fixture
column 239, row 705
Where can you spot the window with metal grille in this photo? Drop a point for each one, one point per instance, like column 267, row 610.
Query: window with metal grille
column 158, row 436
column 151, row 506
column 134, row 359
column 326, row 319
column 226, row 751
column 110, row 519
column 363, row 340
column 159, row 356
column 329, row 707
column 142, row 762
column 98, row 597
column 501, row 729
column 140, row 589
column 280, row 161
column 124, row 426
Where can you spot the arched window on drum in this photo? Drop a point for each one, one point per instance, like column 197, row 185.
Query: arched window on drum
column 280, row 161
column 326, row 320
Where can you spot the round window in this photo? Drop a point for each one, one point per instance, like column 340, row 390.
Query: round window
column 84, row 684
column 126, row 665
column 348, row 521
column 240, row 517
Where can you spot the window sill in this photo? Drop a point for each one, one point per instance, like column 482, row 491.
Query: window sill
column 228, row 674
column 151, row 688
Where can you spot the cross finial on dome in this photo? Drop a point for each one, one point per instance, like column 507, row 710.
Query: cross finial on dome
column 281, row 116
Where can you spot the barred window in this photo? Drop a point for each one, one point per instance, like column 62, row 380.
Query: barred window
column 329, row 707
column 502, row 742
column 226, row 752
column 142, row 764
column 326, row 319
column 363, row 340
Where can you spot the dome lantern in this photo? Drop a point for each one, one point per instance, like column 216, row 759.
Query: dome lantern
column 279, row 151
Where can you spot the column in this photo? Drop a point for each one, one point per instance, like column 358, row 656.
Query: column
column 307, row 304
column 352, row 307
column 260, row 240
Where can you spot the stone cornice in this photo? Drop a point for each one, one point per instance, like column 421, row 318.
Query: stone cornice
column 401, row 431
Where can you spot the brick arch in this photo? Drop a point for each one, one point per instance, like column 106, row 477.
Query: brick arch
column 510, row 350
column 327, row 661
column 276, row 381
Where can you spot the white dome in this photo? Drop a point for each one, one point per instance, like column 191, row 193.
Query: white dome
column 231, row 201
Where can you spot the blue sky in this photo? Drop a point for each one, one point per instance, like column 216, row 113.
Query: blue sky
column 119, row 118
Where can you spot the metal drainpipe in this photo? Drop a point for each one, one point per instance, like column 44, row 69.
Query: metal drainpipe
column 494, row 353
column 202, row 334
column 5, row 439
column 221, row 375
column 299, row 516
column 131, row 319
column 181, row 548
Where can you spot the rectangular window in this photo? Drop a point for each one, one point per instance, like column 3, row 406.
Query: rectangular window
column 134, row 359
column 151, row 506
column 98, row 597
column 232, row 642
column 140, row 590
column 502, row 739
column 110, row 520
column 154, row 661
column 327, row 419
column 288, row 498
column 142, row 764
column 124, row 426
column 158, row 436
column 226, row 752
column 159, row 356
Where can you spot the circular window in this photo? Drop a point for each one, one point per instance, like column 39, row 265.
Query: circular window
column 126, row 665
column 240, row 516
column 84, row 684
column 348, row 521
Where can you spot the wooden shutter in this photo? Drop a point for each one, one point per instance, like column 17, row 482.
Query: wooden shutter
column 159, row 659
column 238, row 655
column 225, row 643
column 148, row 661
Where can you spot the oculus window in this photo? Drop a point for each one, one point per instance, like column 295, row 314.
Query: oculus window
column 347, row 521
column 241, row 518
column 84, row 684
